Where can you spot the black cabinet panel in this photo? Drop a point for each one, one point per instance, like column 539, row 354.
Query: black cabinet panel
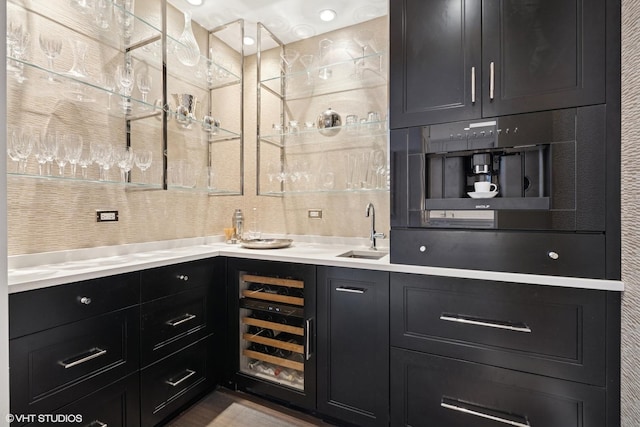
column 170, row 323
column 52, row 368
column 545, row 55
column 353, row 345
column 172, row 279
column 558, row 332
column 171, row 383
column 432, row 391
column 40, row 309
column 435, row 61
column 556, row 254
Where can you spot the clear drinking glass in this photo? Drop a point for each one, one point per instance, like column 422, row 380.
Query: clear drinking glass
column 142, row 160
column 46, row 152
column 61, row 153
column 51, row 46
column 73, row 147
column 326, row 46
column 21, row 145
column 306, row 61
column 103, row 13
column 79, row 49
column 123, row 157
column 144, row 82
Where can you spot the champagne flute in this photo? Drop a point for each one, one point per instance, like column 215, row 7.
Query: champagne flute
column 108, row 82
column 61, row 153
column 73, row 147
column 125, row 79
column 22, row 144
column 144, row 82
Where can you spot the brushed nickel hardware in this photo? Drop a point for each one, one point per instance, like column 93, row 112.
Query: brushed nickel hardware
column 307, row 334
column 473, row 85
column 492, row 78
column 510, row 326
column 423, row 248
column 553, row 255
column 189, row 373
column 183, row 277
column 455, row 405
column 85, row 300
column 99, row 423
column 371, row 211
column 351, row 290
column 180, row 320
column 93, row 353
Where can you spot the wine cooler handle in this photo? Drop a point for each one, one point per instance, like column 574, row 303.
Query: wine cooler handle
column 308, row 333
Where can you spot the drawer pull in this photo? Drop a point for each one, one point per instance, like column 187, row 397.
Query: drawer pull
column 553, row 255
column 180, row 320
column 510, row 326
column 490, row 414
column 85, row 300
column 351, row 290
column 77, row 360
column 188, row 373
column 183, row 277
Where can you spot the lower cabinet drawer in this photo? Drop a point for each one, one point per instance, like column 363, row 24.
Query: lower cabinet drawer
column 117, row 405
column 552, row 331
column 171, row 323
column 52, row 368
column 174, row 381
column 433, row 391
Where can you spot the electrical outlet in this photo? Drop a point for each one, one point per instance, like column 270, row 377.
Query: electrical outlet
column 315, row 213
column 106, row 216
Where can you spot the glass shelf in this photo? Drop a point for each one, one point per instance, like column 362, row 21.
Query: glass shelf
column 129, row 186
column 327, row 192
column 308, row 136
column 346, row 75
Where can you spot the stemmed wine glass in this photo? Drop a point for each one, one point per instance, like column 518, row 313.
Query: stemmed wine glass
column 104, row 14
column 103, row 156
column 125, row 79
column 61, row 153
column 306, row 61
column 123, row 157
column 18, row 42
column 46, row 152
column 289, row 57
column 21, row 145
column 144, row 82
column 142, row 159
column 51, row 46
column 73, row 148
column 86, row 160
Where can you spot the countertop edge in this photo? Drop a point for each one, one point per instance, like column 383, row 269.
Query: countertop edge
column 31, row 278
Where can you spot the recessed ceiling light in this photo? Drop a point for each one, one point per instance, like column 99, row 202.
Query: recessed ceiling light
column 248, row 41
column 328, row 15
column 195, row 2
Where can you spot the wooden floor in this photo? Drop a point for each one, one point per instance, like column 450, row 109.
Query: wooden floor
column 229, row 408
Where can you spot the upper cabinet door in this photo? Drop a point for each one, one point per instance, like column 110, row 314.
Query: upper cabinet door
column 542, row 55
column 435, row 51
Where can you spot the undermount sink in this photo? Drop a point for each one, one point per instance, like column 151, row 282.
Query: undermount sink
column 363, row 254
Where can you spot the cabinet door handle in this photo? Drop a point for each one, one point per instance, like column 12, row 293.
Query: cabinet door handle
column 77, row 360
column 492, row 79
column 498, row 324
column 97, row 423
column 309, row 331
column 180, row 320
column 183, row 277
column 351, row 290
column 490, row 414
column 188, row 373
column 473, row 85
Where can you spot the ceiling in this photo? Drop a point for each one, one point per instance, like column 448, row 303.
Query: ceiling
column 289, row 20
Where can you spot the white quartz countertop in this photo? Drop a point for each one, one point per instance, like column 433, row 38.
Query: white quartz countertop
column 28, row 272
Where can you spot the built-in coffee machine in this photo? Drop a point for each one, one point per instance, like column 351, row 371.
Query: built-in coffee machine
column 514, row 182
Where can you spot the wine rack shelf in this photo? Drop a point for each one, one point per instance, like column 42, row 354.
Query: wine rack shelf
column 273, row 325
column 298, row 366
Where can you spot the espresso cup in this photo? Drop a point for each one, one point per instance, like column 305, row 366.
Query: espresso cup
column 484, row 187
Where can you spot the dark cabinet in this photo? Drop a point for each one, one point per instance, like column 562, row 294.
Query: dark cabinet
column 182, row 335
column 353, row 345
column 455, row 60
column 434, row 391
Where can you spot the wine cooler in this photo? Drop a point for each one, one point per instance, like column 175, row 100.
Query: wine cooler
column 275, row 335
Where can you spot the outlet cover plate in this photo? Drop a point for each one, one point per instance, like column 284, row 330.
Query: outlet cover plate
column 106, row 216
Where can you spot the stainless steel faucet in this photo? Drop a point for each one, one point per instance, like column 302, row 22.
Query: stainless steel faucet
column 371, row 212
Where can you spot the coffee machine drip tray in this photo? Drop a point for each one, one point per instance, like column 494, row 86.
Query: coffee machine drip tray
column 498, row 203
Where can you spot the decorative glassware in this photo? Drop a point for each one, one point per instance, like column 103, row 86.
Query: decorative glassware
column 73, row 147
column 103, row 14
column 51, row 46
column 124, row 159
column 46, row 152
column 142, row 159
column 82, row 6
column 21, row 145
column 289, row 57
column 79, row 49
column 125, row 80
column 188, row 51
column 123, row 10
column 326, row 46
column 306, row 61
column 144, row 82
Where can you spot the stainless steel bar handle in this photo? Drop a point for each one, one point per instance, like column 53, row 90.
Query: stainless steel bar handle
column 180, row 320
column 307, row 347
column 94, row 352
column 351, row 290
column 483, row 415
column 492, row 80
column 189, row 374
column 519, row 327
column 473, row 85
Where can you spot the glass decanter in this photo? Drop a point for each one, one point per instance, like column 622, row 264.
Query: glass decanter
column 188, row 51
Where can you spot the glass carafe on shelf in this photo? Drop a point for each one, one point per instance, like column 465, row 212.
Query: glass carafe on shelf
column 188, row 51
column 79, row 50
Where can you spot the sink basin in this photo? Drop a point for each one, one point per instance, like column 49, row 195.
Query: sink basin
column 363, row 254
